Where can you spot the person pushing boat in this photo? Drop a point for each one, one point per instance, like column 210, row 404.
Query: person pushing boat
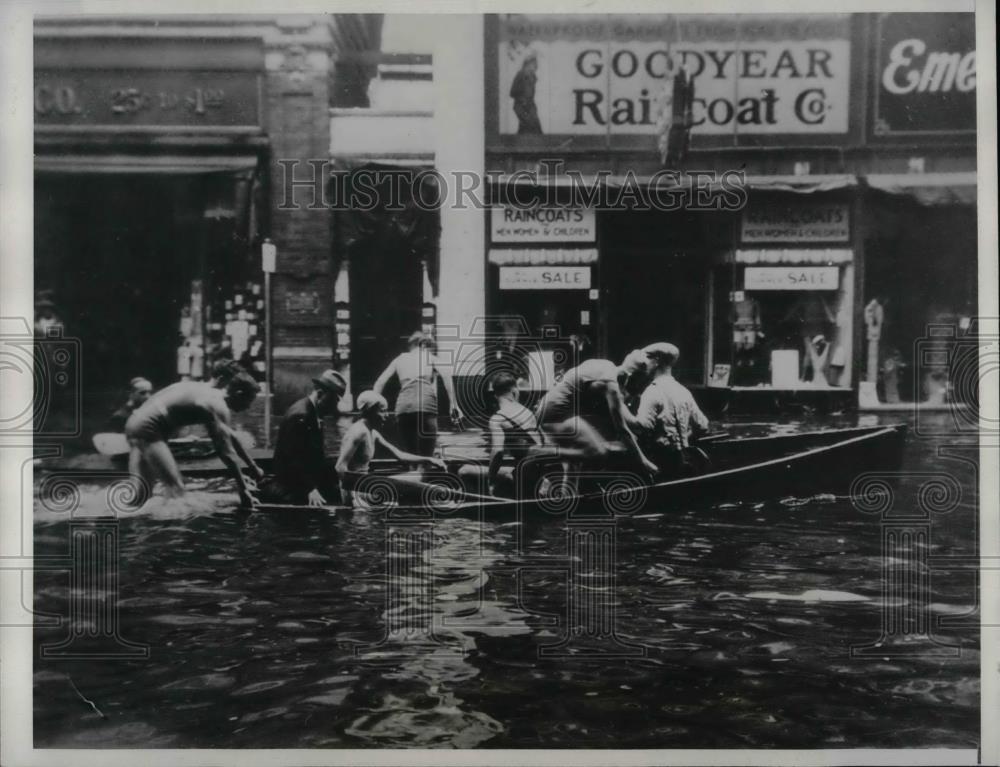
column 358, row 448
column 586, row 409
column 185, row 404
column 668, row 416
column 302, row 474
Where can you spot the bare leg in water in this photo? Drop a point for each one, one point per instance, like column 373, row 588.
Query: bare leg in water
column 152, row 461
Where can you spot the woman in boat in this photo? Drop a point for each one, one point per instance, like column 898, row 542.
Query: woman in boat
column 358, row 448
column 418, row 370
column 513, row 432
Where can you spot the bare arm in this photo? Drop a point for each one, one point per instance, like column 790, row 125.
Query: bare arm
column 383, row 379
column 402, row 455
column 616, row 406
column 223, row 438
column 241, row 451
column 449, row 386
column 497, row 440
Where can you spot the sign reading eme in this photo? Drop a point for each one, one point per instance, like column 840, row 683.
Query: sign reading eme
column 926, row 74
column 542, row 224
column 796, row 222
column 544, row 277
column 597, row 75
column 791, row 278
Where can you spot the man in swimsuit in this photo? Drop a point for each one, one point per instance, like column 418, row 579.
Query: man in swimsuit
column 185, row 404
column 418, row 370
column 513, row 432
column 586, row 409
column 358, row 448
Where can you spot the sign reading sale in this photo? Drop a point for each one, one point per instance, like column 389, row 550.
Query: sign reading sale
column 766, row 74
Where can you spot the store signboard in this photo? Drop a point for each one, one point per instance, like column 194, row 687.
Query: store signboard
column 510, row 224
column 800, row 222
column 146, row 98
column 925, row 74
column 597, row 75
column 544, row 278
column 791, row 278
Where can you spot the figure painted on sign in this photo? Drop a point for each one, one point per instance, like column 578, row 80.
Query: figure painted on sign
column 522, row 90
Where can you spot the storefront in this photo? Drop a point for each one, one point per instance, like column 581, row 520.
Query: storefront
column 157, row 180
column 149, row 197
column 920, row 281
column 753, row 276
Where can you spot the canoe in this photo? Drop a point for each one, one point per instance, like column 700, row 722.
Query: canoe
column 739, row 469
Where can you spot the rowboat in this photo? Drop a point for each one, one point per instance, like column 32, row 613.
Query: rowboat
column 740, row 469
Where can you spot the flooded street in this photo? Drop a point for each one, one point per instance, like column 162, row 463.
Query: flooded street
column 723, row 627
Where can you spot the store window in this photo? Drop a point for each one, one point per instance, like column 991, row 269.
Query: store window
column 782, row 318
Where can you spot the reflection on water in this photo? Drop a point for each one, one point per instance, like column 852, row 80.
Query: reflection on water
column 685, row 627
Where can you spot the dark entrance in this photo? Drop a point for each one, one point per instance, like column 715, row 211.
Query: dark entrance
column 655, row 268
column 116, row 254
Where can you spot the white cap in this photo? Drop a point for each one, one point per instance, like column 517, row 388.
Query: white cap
column 369, row 399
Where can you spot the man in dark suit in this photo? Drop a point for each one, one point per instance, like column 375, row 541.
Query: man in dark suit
column 301, row 472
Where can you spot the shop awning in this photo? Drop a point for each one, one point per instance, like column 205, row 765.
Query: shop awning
column 543, row 256
column 795, row 256
column 928, row 188
column 798, row 184
column 120, row 163
column 802, row 184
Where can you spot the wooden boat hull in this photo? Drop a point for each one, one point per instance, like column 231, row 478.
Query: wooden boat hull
column 767, row 468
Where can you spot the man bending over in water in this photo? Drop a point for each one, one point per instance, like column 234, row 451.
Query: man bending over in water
column 358, row 448
column 185, row 404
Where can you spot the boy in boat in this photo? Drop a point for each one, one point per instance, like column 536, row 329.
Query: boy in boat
column 140, row 390
column 668, row 416
column 586, row 409
column 185, row 404
column 358, row 448
column 513, row 432
column 302, row 475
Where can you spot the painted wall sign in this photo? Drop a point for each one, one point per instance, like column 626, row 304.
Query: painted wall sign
column 804, row 221
column 791, row 278
column 146, row 98
column 926, row 74
column 542, row 224
column 591, row 75
column 544, row 277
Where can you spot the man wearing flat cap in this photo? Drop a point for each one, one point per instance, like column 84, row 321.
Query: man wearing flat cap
column 302, row 474
column 668, row 416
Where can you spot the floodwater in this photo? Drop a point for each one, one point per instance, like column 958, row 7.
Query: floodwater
column 725, row 627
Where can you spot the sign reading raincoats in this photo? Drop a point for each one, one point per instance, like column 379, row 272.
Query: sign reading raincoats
column 755, row 74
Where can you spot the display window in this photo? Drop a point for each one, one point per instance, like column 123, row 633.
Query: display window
column 782, row 319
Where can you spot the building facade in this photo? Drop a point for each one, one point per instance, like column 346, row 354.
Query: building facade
column 813, row 237
column 854, row 138
column 158, row 148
